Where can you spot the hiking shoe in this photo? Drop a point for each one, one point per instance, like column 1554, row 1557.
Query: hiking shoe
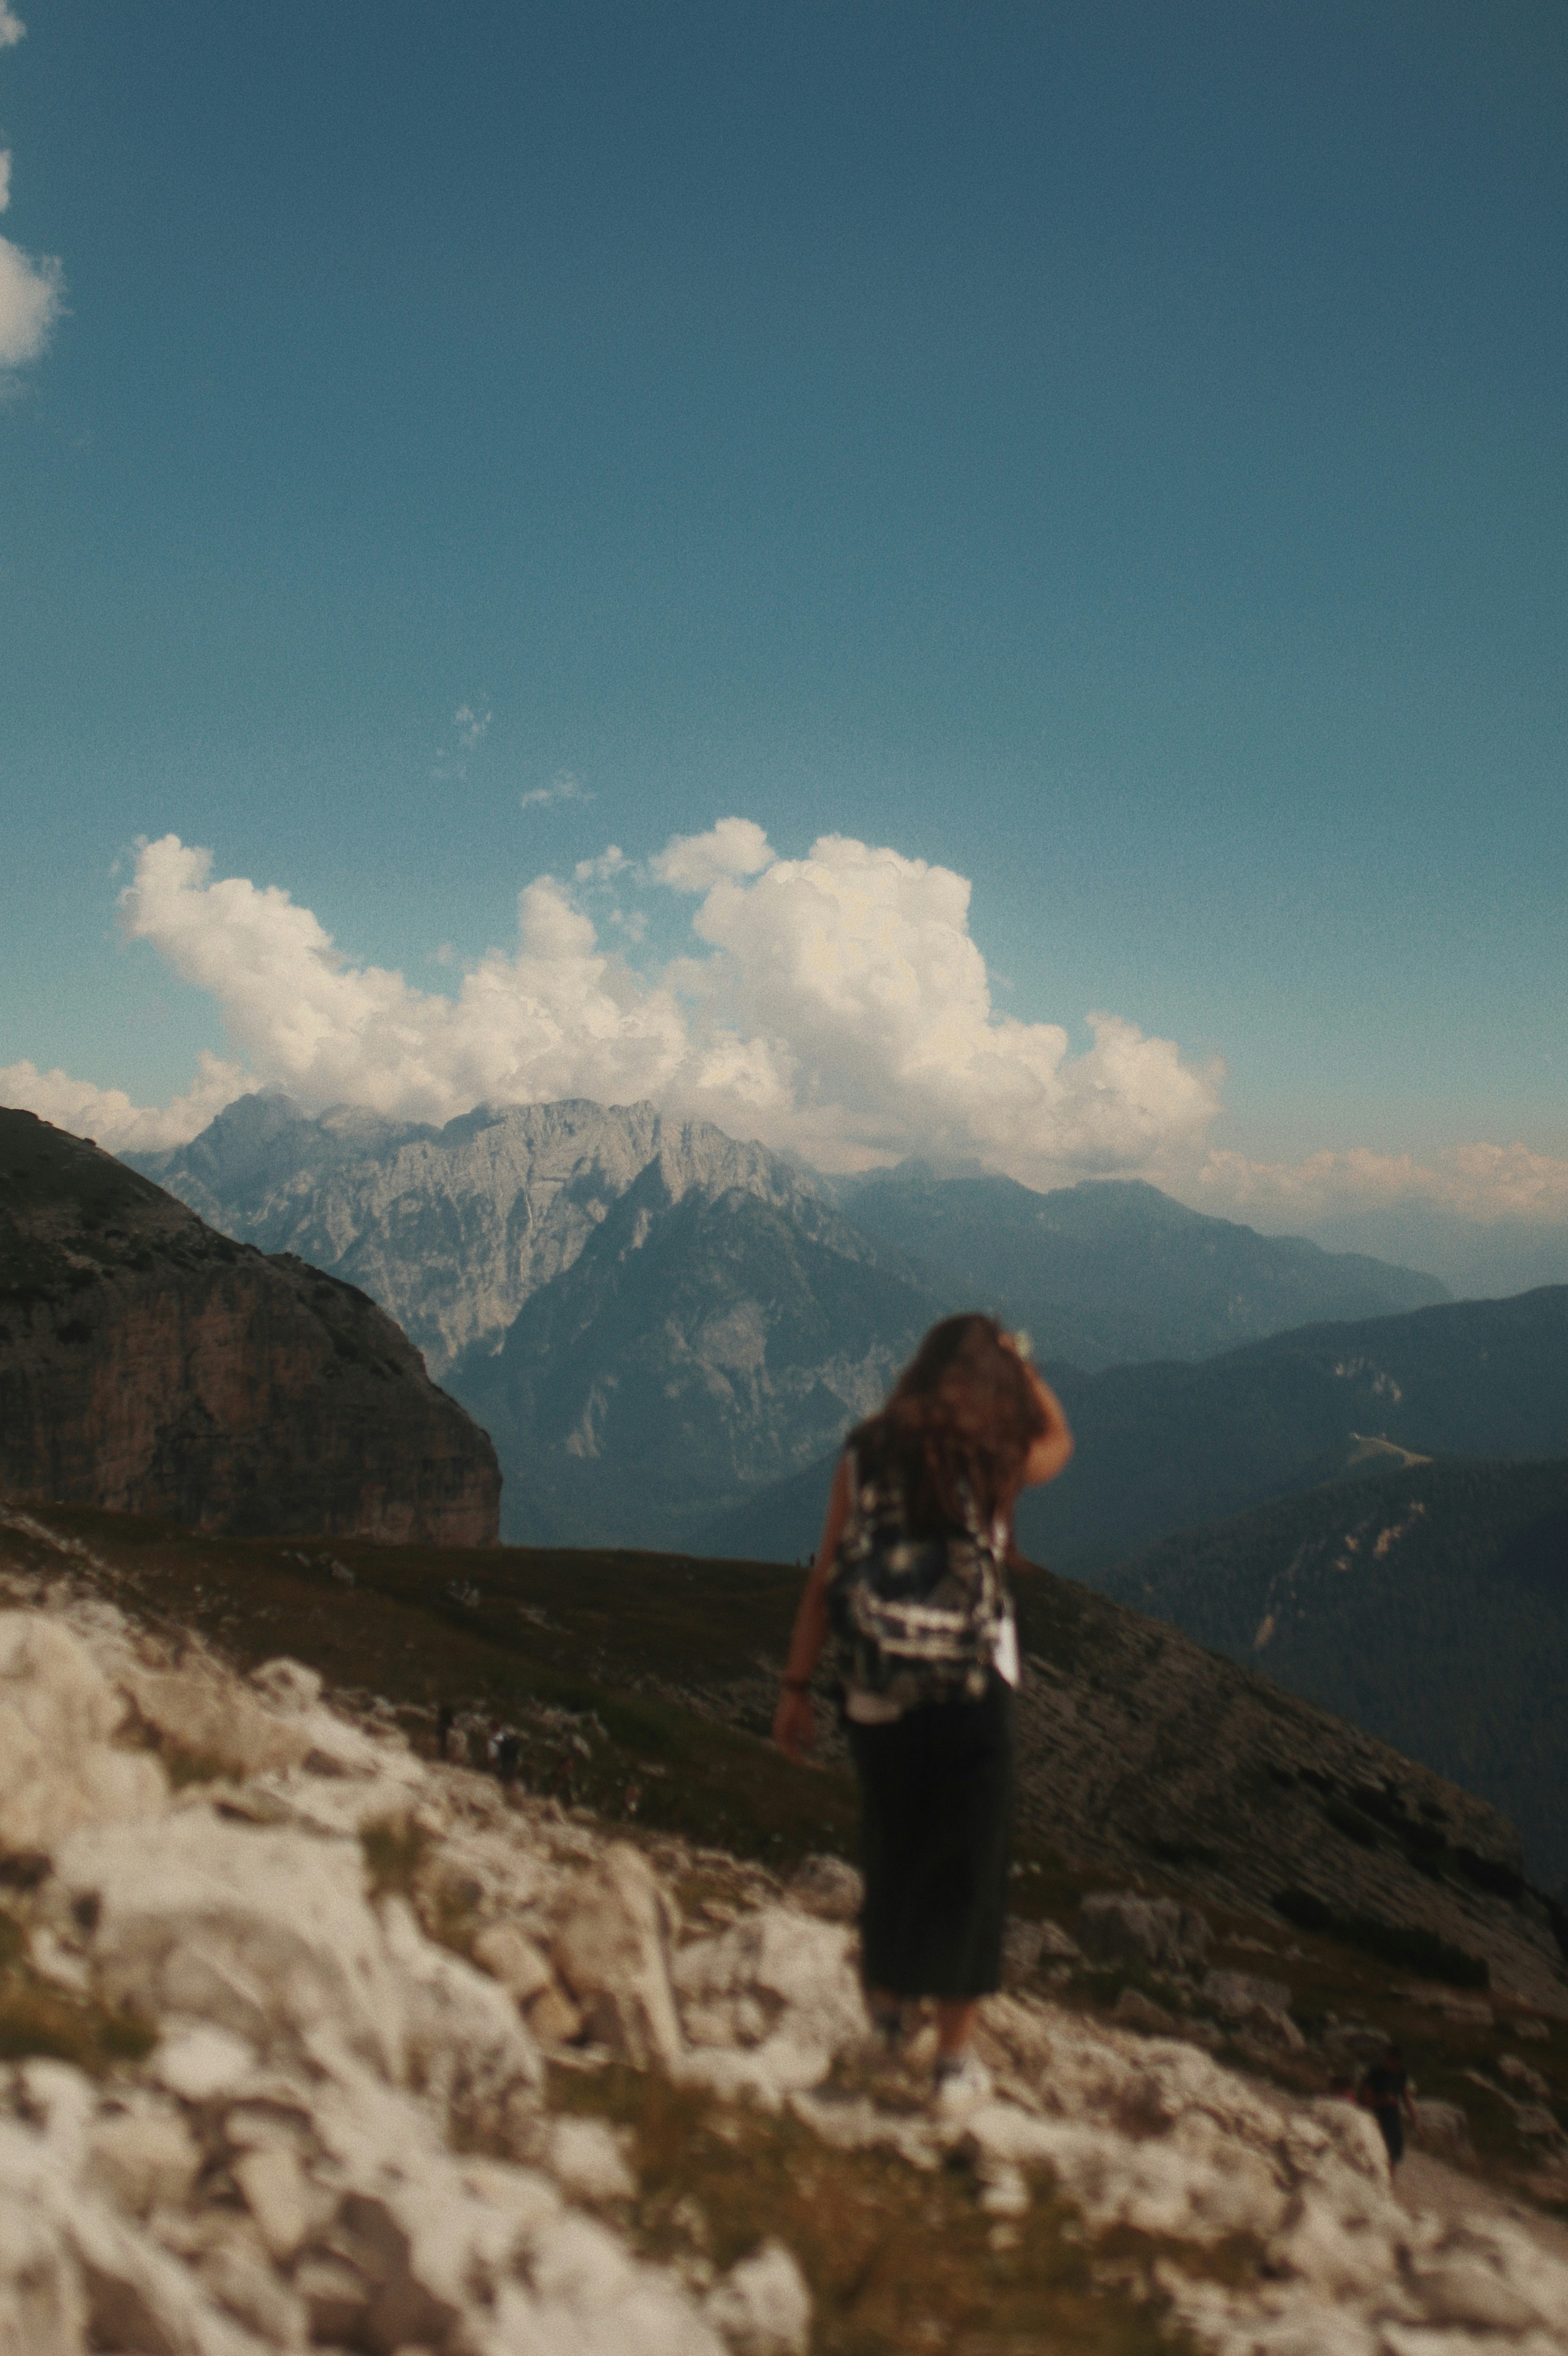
column 888, row 2021
column 962, row 2080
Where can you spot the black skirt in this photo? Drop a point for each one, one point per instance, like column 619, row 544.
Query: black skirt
column 936, row 1791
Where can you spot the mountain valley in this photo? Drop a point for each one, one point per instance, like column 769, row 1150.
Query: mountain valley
column 658, row 1325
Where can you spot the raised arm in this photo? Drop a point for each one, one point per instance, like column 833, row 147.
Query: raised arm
column 793, row 1727
column 1051, row 1451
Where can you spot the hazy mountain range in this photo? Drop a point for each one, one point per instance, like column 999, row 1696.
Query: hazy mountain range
column 656, row 1323
column 1112, row 1269
column 1168, row 1446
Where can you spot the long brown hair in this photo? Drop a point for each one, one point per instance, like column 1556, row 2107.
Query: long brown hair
column 958, row 1425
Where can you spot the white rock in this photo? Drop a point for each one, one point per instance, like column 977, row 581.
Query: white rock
column 334, row 2295
column 273, row 2186
column 258, row 1931
column 510, row 1956
column 142, row 2158
column 592, row 2296
column 50, row 1685
column 1465, row 2290
column 1519, row 2074
column 335, row 1748
column 829, row 1887
column 200, row 2062
column 43, row 2306
column 209, row 1716
column 58, row 1714
column 1238, row 1995
column 762, row 2306
column 1116, row 1927
column 238, row 2276
column 1443, row 2127
column 585, row 2156
column 798, row 1972
column 553, row 2017
column 287, row 1684
column 1055, row 1944
column 463, row 2040
column 610, row 1948
column 1260, row 2005
column 59, row 2101
column 139, row 2299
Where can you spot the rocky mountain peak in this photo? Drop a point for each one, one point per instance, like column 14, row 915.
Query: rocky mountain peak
column 452, row 1230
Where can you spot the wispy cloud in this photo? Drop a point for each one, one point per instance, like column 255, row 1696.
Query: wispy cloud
column 31, row 286
column 470, row 726
column 610, row 865
column 562, row 789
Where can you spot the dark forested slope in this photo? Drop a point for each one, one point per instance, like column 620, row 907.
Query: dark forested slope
column 1429, row 1605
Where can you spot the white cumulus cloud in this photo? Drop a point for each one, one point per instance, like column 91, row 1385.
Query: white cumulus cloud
column 836, row 1004
column 108, row 1115
column 691, row 863
column 11, row 26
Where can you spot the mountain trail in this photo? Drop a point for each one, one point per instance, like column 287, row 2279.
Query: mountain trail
column 1427, row 2186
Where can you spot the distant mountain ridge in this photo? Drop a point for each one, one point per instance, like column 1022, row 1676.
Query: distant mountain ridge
column 657, row 1322
column 1170, row 1446
column 1113, row 1271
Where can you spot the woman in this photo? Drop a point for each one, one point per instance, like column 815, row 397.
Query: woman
column 969, row 1425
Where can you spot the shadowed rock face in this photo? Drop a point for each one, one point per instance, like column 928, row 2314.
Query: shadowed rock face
column 151, row 1365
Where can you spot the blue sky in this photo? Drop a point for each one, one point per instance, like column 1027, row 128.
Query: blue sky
column 1114, row 454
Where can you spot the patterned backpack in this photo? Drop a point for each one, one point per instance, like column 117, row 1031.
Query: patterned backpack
column 923, row 1614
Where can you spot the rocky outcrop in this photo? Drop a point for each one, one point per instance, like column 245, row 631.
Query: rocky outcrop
column 151, row 1365
column 330, row 2124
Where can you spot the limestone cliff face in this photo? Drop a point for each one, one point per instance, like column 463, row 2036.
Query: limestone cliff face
column 152, row 1366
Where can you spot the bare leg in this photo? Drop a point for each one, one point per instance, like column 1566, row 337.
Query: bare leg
column 955, row 2024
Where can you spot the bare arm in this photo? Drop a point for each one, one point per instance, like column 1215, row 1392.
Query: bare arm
column 1052, row 1450
column 793, row 1727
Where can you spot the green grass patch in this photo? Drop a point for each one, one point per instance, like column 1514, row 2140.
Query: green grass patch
column 898, row 2258
column 41, row 2022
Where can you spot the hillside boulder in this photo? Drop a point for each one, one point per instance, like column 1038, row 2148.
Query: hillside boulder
column 1119, row 1926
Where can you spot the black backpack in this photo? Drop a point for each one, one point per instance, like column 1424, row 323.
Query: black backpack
column 921, row 1614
